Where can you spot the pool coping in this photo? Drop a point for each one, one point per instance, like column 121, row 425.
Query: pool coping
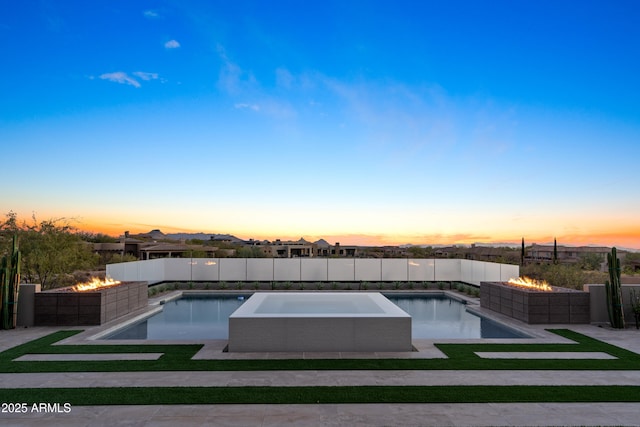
column 213, row 349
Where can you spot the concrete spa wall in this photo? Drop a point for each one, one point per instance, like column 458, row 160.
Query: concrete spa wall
column 312, row 269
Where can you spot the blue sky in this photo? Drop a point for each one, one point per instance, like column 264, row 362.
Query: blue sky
column 358, row 121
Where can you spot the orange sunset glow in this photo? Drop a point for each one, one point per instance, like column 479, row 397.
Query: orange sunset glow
column 620, row 238
column 453, row 126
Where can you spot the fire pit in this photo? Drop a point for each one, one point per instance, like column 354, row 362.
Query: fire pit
column 91, row 303
column 535, row 302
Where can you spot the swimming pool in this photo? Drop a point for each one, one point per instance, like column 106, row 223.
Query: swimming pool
column 439, row 316
column 206, row 316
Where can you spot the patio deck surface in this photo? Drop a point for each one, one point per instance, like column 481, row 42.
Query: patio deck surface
column 379, row 414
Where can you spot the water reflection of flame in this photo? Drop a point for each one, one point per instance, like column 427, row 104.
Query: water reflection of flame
column 95, row 283
column 529, row 283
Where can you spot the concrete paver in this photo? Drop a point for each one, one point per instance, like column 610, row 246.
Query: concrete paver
column 87, row 357
column 317, row 378
column 449, row 414
column 513, row 414
column 543, row 355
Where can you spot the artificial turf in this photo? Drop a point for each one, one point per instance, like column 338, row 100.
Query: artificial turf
column 324, row 395
column 177, row 357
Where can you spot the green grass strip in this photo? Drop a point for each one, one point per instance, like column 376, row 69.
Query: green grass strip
column 177, row 357
column 314, row 395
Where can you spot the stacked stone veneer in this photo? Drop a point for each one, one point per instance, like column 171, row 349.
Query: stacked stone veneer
column 64, row 307
column 534, row 307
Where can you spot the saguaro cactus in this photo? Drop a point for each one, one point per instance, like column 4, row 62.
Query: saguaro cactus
column 614, row 294
column 9, row 285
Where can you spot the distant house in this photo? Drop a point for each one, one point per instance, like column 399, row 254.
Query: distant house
column 323, row 248
column 150, row 250
column 446, row 252
column 343, row 251
column 227, row 239
column 394, row 252
column 568, row 254
column 290, row 249
column 126, row 246
column 175, row 250
column 302, row 248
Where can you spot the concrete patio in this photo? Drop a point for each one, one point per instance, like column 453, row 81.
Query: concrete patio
column 442, row 414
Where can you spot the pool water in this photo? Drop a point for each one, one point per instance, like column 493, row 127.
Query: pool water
column 439, row 316
column 194, row 317
column 190, row 317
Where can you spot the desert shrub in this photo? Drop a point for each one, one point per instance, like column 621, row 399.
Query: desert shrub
column 566, row 276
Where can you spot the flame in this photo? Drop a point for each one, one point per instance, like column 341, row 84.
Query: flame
column 527, row 282
column 95, row 283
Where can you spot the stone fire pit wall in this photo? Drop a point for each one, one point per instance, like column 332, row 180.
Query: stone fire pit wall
column 65, row 307
column 536, row 307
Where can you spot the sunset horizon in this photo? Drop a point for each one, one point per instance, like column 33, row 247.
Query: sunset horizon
column 624, row 240
column 368, row 123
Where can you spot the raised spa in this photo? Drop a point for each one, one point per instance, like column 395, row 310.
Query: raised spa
column 364, row 321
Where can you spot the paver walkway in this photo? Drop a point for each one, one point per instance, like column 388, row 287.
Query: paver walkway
column 318, row 378
column 486, row 414
column 352, row 415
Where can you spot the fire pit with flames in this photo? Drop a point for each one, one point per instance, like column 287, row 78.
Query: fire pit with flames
column 535, row 302
column 91, row 303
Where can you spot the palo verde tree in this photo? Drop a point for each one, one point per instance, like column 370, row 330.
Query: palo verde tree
column 50, row 250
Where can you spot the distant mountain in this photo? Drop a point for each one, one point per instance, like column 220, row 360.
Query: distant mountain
column 153, row 234
column 499, row 244
column 189, row 236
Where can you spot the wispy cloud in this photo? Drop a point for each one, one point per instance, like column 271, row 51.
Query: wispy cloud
column 146, row 76
column 172, row 44
column 120, row 77
column 242, row 85
column 242, row 105
column 284, row 78
column 399, row 124
column 125, row 79
column 232, row 79
column 151, row 14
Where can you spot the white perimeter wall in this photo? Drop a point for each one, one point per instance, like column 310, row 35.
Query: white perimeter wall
column 312, row 269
